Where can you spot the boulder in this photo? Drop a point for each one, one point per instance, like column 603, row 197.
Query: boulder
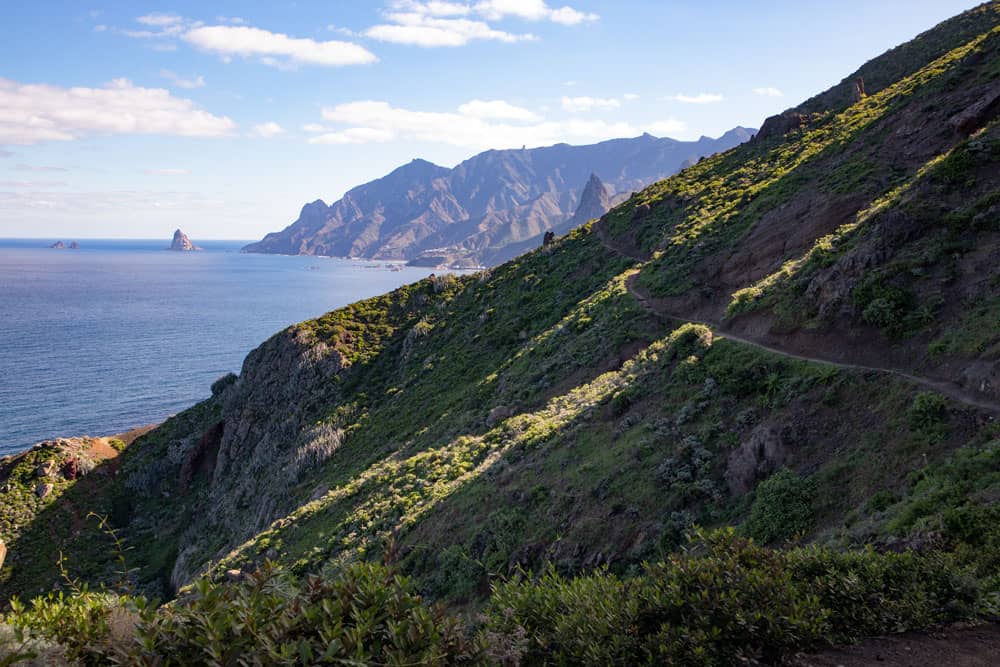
column 3, row 553
column 984, row 109
column 47, row 469
column 71, row 468
column 498, row 414
column 782, row 124
column 43, row 490
column 766, row 450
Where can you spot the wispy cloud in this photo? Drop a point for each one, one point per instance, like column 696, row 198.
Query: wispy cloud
column 267, row 130
column 584, row 103
column 768, row 91
column 666, row 128
column 700, row 98
column 496, row 110
column 196, row 81
column 41, row 112
column 230, row 38
column 630, row 97
column 276, row 48
column 418, row 29
column 33, row 184
column 124, row 200
column 437, row 23
column 40, row 168
column 531, row 10
column 166, row 172
column 476, row 124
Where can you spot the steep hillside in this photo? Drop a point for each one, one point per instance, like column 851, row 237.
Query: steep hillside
column 797, row 337
column 477, row 212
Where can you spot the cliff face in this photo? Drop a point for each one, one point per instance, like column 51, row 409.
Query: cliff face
column 491, row 201
column 266, row 444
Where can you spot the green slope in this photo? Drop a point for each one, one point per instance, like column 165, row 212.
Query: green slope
column 561, row 409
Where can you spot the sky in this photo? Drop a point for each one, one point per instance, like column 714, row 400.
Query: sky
column 130, row 119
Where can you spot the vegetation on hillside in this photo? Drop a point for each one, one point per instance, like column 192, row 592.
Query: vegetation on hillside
column 537, row 442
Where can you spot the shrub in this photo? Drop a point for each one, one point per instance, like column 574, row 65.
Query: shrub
column 366, row 615
column 782, row 507
column 727, row 600
column 927, row 412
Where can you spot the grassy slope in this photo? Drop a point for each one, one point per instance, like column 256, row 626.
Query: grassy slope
column 537, row 412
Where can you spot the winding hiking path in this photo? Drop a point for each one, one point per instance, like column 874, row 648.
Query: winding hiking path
column 949, row 389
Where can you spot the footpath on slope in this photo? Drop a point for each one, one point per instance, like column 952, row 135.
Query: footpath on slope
column 977, row 646
column 949, row 389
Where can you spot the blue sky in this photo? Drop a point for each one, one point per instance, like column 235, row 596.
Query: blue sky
column 130, row 119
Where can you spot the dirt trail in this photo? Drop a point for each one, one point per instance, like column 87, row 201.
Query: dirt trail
column 955, row 647
column 949, row 389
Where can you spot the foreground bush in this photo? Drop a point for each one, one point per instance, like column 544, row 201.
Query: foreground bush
column 730, row 600
column 367, row 615
column 725, row 600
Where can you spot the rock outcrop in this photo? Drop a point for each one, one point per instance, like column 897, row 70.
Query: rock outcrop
column 182, row 243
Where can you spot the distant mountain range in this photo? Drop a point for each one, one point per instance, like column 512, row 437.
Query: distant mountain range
column 490, row 207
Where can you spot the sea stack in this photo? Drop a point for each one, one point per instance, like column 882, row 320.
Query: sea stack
column 182, row 243
column 58, row 245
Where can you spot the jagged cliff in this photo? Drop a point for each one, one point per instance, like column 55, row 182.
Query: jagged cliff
column 472, row 213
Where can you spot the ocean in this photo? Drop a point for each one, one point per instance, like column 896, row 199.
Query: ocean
column 120, row 333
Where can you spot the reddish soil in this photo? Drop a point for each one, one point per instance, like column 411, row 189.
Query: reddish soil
column 957, row 646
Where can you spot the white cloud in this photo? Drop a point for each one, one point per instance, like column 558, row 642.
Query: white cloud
column 418, row 29
column 436, row 23
column 584, row 104
column 434, row 7
column 314, row 128
column 30, row 113
column 267, row 130
column 467, row 127
column 769, row 91
column 100, row 27
column 700, row 98
column 496, row 110
column 665, row 128
column 166, row 172
column 531, row 10
column 196, row 81
column 630, row 97
column 246, row 41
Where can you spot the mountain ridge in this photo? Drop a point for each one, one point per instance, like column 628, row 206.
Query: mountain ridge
column 470, row 213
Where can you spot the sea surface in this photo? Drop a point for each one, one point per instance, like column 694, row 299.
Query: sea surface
column 122, row 333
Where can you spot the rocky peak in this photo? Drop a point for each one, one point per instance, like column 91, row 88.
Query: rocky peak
column 595, row 201
column 182, row 243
